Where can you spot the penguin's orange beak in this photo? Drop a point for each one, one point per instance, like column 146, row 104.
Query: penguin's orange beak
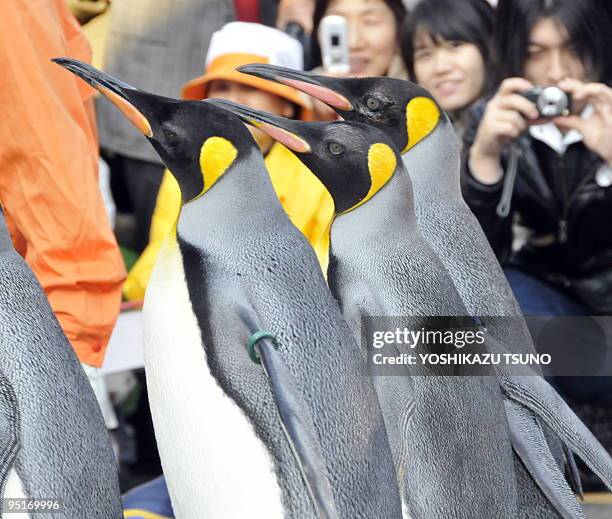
column 118, row 92
column 412, row 117
column 324, row 88
column 286, row 131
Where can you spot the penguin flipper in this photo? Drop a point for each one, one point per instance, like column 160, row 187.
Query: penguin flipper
column 571, row 471
column 530, row 445
column 403, row 450
column 9, row 429
column 300, row 432
column 534, row 393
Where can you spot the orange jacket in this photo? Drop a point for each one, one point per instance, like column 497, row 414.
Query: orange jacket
column 48, row 172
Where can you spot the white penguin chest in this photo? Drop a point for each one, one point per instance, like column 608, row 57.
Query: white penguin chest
column 14, row 490
column 214, row 463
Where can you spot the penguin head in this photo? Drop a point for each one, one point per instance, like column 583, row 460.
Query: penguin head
column 352, row 160
column 402, row 109
column 196, row 140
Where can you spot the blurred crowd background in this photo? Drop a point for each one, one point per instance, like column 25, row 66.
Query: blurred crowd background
column 474, row 57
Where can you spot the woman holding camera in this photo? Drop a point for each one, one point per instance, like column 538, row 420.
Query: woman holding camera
column 562, row 194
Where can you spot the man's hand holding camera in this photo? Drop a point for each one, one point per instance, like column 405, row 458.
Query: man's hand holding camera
column 596, row 130
column 511, row 111
column 507, row 115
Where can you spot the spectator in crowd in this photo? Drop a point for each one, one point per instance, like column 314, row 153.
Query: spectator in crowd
column 446, row 49
column 373, row 40
column 49, row 161
column 306, row 202
column 562, row 195
column 561, row 189
column 49, row 185
column 298, row 11
column 143, row 49
column 373, row 34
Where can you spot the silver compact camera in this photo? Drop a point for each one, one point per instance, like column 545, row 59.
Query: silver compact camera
column 551, row 101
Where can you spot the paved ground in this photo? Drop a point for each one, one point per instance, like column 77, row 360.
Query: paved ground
column 598, row 511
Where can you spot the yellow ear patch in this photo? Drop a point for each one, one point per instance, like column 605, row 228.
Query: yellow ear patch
column 422, row 116
column 381, row 164
column 217, row 154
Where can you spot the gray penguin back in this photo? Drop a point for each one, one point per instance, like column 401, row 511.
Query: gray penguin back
column 381, row 244
column 378, row 251
column 64, row 449
column 451, row 227
column 456, row 236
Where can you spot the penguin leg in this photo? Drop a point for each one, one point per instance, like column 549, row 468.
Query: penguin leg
column 529, row 443
column 534, row 393
column 296, row 420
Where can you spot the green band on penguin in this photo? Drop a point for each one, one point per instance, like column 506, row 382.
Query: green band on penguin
column 254, row 339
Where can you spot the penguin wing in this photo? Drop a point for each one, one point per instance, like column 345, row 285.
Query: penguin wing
column 572, row 473
column 299, row 428
column 295, row 418
column 398, row 405
column 530, row 445
column 403, row 447
column 534, row 393
column 9, row 429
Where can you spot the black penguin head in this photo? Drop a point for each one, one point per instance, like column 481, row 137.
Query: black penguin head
column 196, row 140
column 352, row 160
column 402, row 109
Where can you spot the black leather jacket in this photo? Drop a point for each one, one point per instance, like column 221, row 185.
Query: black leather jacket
column 567, row 214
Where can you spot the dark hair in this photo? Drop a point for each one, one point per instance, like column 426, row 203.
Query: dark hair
column 587, row 23
column 470, row 21
column 396, row 6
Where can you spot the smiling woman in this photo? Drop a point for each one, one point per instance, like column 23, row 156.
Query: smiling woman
column 445, row 44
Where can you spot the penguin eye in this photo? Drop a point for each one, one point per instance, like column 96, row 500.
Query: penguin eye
column 335, row 148
column 171, row 137
column 373, row 103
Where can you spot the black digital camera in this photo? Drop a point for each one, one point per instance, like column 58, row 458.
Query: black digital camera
column 551, row 101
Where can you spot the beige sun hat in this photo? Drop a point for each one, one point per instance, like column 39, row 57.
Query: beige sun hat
column 240, row 43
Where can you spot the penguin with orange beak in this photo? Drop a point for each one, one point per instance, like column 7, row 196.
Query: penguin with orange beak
column 448, row 433
column 409, row 115
column 235, row 285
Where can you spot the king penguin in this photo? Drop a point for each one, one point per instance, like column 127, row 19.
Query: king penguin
column 236, row 268
column 452, row 445
column 409, row 115
column 53, row 441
